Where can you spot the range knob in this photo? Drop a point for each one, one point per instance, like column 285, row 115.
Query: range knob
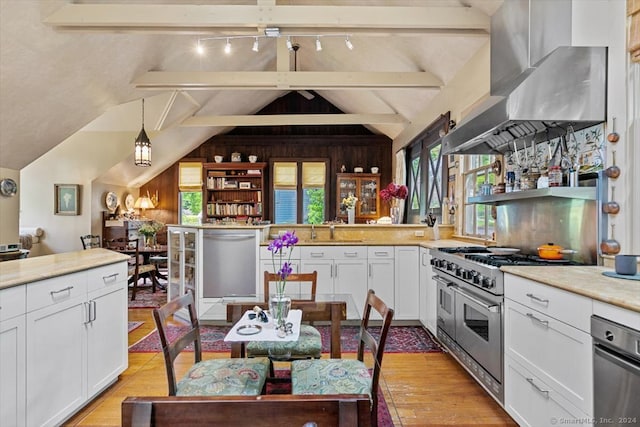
column 488, row 283
column 478, row 278
column 460, row 272
column 452, row 266
column 467, row 275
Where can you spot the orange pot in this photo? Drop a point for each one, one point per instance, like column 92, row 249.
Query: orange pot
column 553, row 251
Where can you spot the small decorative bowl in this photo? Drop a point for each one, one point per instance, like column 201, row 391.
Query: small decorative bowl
column 358, row 170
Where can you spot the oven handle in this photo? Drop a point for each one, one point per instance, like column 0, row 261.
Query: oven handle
column 444, row 282
column 611, row 356
column 493, row 308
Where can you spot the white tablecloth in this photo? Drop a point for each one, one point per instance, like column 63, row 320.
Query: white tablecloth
column 268, row 332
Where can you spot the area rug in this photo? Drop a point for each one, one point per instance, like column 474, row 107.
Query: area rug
column 384, row 417
column 145, row 298
column 401, row 339
column 133, row 326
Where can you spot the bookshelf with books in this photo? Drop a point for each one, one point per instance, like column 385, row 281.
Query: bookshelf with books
column 233, row 190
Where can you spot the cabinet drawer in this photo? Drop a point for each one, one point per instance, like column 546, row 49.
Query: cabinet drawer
column 317, row 252
column 531, row 402
column 266, row 254
column 106, row 275
column 555, row 352
column 380, row 252
column 56, row 290
column 350, row 252
column 566, row 306
column 12, row 302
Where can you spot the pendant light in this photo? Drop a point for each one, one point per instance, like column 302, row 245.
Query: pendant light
column 142, row 153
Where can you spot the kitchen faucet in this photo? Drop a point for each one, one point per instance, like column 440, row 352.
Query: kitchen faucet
column 332, row 229
column 313, row 232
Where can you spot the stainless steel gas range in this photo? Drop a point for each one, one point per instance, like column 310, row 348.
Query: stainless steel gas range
column 470, row 308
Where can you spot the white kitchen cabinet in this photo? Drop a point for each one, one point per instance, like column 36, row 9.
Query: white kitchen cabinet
column 267, row 264
column 548, row 352
column 12, row 356
column 381, row 268
column 428, row 292
column 407, row 283
column 76, row 342
column 341, row 270
column 183, row 254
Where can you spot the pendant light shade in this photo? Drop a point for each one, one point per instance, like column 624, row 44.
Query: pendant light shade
column 142, row 153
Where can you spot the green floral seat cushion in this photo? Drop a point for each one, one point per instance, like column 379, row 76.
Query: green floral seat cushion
column 330, row 376
column 225, row 377
column 308, row 345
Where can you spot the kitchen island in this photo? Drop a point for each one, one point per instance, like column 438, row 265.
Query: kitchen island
column 63, row 333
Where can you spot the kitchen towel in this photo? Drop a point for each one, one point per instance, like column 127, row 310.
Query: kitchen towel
column 621, row 276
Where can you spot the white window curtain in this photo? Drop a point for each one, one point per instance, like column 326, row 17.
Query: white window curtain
column 401, row 177
column 190, row 176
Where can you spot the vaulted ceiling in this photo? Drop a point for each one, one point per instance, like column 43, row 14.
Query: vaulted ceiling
column 68, row 67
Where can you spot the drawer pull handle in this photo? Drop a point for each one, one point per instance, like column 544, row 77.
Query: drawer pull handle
column 542, row 322
column 317, row 254
column 351, row 254
column 545, row 393
column 68, row 288
column 111, row 276
column 385, row 253
column 533, row 297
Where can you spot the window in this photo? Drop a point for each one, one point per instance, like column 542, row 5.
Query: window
column 190, row 196
column 299, row 191
column 478, row 219
column 426, row 168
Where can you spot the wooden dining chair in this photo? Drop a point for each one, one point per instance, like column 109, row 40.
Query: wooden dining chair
column 344, row 376
column 309, row 345
column 136, row 266
column 213, row 377
column 91, row 241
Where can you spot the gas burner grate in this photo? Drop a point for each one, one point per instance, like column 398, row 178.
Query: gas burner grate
column 516, row 259
column 465, row 250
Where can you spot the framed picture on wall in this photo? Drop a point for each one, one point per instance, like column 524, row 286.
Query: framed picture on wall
column 67, row 199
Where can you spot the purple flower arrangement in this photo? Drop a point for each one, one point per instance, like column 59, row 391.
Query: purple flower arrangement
column 277, row 248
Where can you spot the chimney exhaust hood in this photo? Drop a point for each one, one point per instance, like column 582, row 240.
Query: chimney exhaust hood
column 565, row 86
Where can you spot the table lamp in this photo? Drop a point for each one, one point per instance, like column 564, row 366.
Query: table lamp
column 143, row 203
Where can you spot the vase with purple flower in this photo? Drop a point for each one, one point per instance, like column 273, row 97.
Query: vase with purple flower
column 279, row 302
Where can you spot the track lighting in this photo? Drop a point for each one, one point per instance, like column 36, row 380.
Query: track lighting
column 272, row 33
column 348, row 43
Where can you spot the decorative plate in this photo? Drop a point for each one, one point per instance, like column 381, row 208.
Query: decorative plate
column 8, row 187
column 111, row 201
column 129, row 201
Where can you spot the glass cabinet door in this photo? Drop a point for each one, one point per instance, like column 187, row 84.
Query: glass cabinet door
column 346, row 186
column 175, row 260
column 189, row 262
column 368, row 197
column 182, row 262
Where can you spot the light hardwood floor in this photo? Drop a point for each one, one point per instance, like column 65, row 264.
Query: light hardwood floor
column 421, row 389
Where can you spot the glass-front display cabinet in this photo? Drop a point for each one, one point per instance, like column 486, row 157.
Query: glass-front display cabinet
column 183, row 257
column 366, row 187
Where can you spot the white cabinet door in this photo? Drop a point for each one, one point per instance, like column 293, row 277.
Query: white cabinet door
column 56, row 361
column 107, row 337
column 267, row 265
column 13, row 370
column 407, row 283
column 320, row 259
column 381, row 276
column 425, row 270
column 351, row 278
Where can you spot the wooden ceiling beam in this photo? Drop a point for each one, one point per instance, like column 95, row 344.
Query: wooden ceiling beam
column 293, row 119
column 253, row 19
column 276, row 80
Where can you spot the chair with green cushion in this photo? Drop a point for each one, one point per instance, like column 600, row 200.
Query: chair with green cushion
column 213, row 377
column 309, row 345
column 348, row 376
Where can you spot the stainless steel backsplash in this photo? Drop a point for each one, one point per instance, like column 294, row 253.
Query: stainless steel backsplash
column 570, row 223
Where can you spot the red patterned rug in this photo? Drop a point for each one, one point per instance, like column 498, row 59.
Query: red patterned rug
column 401, row 339
column 145, row 298
column 133, row 326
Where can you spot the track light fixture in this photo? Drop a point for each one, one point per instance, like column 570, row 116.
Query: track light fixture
column 348, row 43
column 271, row 33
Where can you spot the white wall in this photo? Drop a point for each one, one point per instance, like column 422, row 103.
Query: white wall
column 10, row 210
column 78, row 160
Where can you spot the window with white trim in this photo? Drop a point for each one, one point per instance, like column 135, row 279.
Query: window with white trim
column 478, row 219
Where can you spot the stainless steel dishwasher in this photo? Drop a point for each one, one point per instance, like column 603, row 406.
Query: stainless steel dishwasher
column 229, row 263
column 616, row 373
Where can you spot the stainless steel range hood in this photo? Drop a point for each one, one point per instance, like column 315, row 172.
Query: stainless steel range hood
column 539, row 84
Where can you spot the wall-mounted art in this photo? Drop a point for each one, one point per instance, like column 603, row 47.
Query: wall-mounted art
column 67, row 199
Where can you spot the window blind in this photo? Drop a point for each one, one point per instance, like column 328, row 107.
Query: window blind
column 190, row 176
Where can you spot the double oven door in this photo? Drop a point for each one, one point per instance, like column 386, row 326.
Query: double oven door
column 473, row 321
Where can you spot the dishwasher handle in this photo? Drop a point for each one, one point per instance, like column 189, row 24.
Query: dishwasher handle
column 609, row 355
column 229, row 236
